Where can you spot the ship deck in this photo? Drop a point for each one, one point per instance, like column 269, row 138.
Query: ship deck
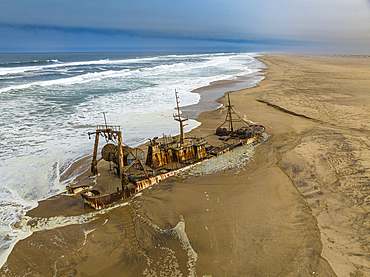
column 108, row 181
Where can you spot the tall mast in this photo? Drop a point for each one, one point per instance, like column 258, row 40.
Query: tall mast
column 229, row 111
column 229, row 118
column 179, row 119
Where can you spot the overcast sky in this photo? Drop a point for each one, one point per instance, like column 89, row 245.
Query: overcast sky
column 331, row 26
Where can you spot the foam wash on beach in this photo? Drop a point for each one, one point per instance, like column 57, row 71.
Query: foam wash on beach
column 48, row 103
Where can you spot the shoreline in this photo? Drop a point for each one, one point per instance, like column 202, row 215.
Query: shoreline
column 210, row 97
column 298, row 207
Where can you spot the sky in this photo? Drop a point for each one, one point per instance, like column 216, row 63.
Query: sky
column 307, row 26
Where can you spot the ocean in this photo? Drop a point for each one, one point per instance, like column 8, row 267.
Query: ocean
column 49, row 102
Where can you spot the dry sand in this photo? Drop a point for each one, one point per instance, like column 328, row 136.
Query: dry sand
column 326, row 100
column 321, row 128
column 298, row 207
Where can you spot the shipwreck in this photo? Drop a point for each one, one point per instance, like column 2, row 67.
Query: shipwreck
column 131, row 170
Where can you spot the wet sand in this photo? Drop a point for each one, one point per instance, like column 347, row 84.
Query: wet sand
column 298, row 207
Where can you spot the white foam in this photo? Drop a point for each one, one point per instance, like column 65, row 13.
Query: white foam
column 170, row 265
column 185, row 243
column 12, row 220
column 17, row 70
column 235, row 159
column 85, row 78
column 139, row 73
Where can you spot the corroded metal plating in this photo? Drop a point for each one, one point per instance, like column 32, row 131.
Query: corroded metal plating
column 101, row 201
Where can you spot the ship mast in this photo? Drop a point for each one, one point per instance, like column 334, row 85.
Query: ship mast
column 229, row 117
column 113, row 134
column 179, row 119
column 229, row 114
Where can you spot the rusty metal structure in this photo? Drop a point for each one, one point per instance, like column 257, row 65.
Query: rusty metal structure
column 243, row 132
column 164, row 157
column 181, row 150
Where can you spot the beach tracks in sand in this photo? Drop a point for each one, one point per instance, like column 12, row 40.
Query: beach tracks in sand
column 325, row 101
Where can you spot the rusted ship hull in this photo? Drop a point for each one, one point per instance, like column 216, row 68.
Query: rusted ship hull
column 228, row 148
column 102, row 201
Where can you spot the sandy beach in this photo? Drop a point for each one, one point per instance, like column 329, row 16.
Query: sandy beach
column 298, row 206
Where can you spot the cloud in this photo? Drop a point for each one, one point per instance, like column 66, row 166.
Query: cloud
column 233, row 21
column 323, row 20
